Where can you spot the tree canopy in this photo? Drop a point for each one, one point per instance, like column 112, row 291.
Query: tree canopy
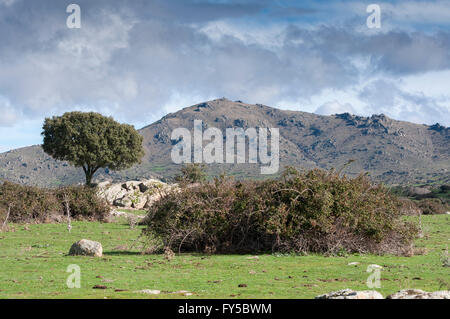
column 92, row 141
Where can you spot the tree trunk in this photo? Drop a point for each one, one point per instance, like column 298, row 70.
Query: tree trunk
column 88, row 179
column 89, row 172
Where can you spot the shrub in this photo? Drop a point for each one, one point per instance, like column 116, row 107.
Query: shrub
column 27, row 203
column 39, row 205
column 315, row 211
column 408, row 207
column 84, row 203
column 432, row 206
column 191, row 173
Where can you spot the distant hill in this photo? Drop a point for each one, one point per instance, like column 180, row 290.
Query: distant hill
column 391, row 151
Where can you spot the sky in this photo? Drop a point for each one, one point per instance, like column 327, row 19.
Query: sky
column 141, row 59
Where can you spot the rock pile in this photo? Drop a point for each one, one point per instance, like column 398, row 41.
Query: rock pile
column 133, row 194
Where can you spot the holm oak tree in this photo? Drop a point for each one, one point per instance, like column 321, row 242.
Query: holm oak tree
column 92, row 141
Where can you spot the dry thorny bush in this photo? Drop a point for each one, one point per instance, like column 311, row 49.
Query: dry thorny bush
column 302, row 212
column 37, row 205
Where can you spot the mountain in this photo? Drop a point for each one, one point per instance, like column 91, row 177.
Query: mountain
column 390, row 151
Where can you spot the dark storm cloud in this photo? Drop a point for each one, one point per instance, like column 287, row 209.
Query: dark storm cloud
column 131, row 59
column 396, row 52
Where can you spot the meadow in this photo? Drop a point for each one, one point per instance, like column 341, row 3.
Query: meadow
column 34, row 260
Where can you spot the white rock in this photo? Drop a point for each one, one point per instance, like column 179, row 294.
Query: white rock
column 149, row 292
column 443, row 294
column 86, row 247
column 419, row 294
column 353, row 263
column 183, row 292
column 351, row 294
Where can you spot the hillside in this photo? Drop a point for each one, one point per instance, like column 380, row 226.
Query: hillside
column 391, row 151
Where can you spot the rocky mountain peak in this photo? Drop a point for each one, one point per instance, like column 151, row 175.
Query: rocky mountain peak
column 391, row 151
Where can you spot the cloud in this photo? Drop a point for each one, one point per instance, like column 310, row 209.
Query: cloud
column 196, row 11
column 7, row 3
column 399, row 52
column 387, row 97
column 395, row 52
column 334, row 107
column 402, row 14
column 8, row 114
column 432, row 12
column 137, row 65
column 289, row 12
column 134, row 60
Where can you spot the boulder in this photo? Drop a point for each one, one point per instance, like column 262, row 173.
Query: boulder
column 419, row 294
column 351, row 294
column 111, row 192
column 86, row 247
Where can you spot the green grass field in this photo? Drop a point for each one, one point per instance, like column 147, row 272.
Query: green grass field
column 33, row 263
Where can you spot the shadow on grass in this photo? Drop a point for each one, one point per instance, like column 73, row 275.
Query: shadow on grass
column 191, row 254
column 122, row 253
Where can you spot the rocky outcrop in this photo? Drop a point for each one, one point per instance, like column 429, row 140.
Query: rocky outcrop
column 133, row 194
column 351, row 294
column 86, row 247
column 419, row 294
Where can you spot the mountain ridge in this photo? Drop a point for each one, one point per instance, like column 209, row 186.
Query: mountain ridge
column 391, row 151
